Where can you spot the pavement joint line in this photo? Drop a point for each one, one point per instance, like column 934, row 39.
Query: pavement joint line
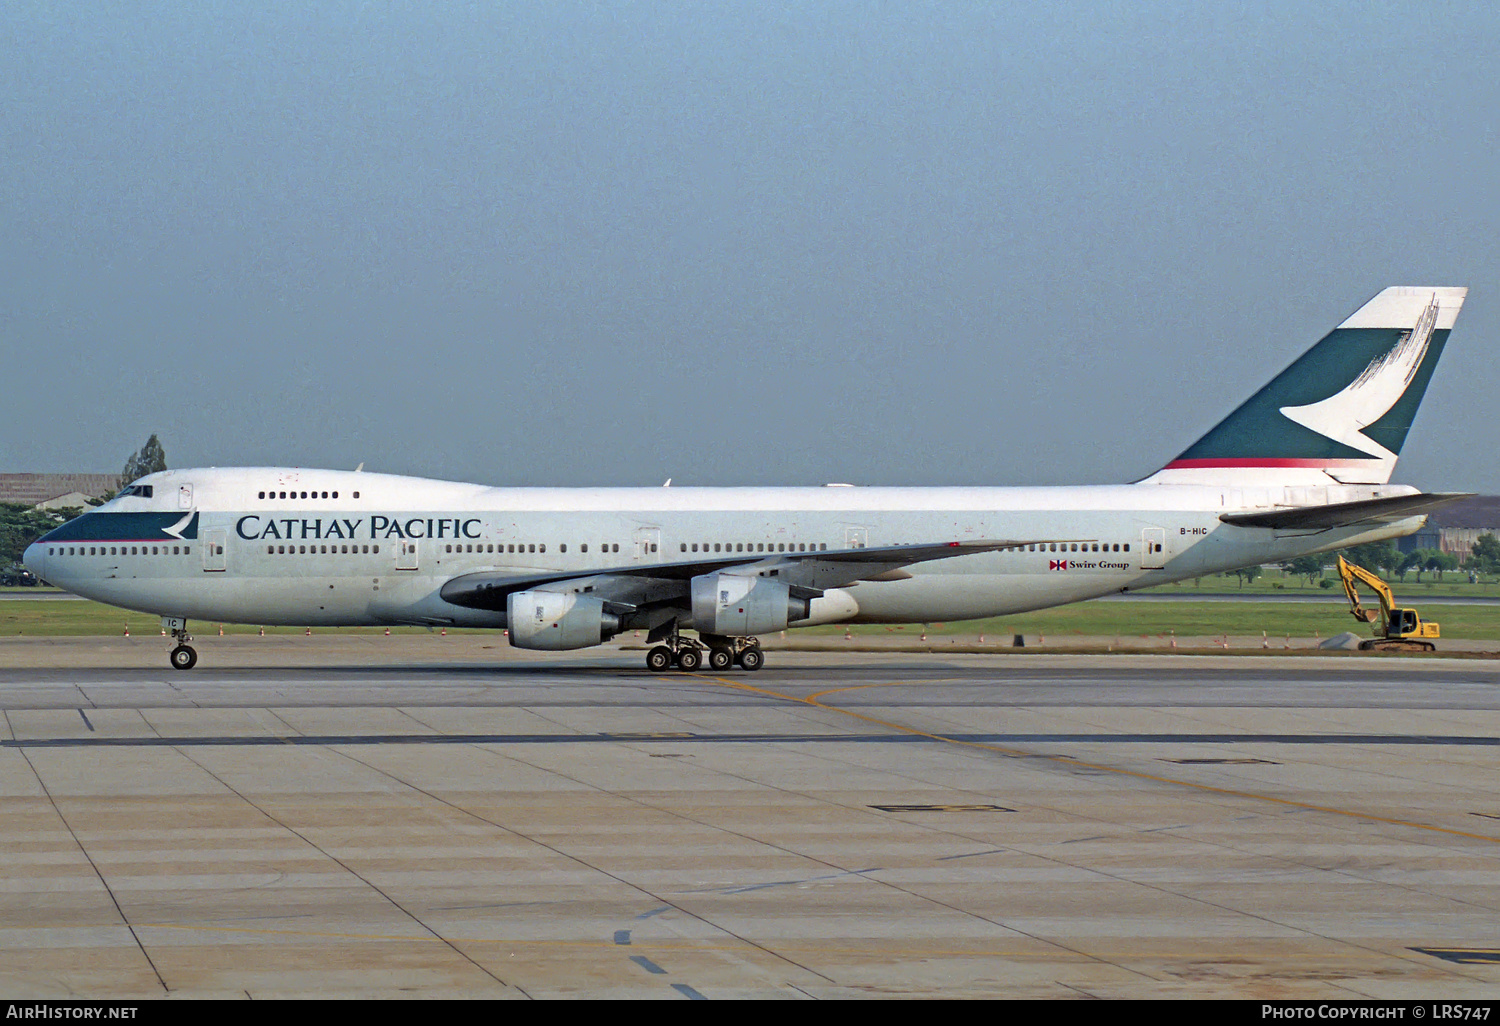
column 346, row 867
column 900, row 703
column 746, row 943
column 108, row 890
column 683, row 947
column 1077, row 763
column 1098, row 956
column 867, row 875
column 959, row 909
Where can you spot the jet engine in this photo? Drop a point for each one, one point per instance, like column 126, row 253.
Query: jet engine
column 554, row 620
column 739, row 605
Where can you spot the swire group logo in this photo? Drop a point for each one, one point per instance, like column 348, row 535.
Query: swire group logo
column 1057, row 564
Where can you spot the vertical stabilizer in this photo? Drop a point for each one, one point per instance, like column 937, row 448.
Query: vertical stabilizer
column 1339, row 415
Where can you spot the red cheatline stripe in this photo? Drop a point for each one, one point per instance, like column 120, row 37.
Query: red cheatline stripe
column 1264, row 461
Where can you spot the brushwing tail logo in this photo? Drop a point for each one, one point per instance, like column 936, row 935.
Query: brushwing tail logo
column 1344, row 415
column 185, row 529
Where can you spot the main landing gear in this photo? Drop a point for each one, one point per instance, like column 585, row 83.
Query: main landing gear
column 184, row 656
column 688, row 654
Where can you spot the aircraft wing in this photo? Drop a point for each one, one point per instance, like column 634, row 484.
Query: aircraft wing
column 1346, row 514
column 808, row 572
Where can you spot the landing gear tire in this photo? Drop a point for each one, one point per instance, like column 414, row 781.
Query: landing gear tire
column 659, row 659
column 720, row 658
column 751, row 659
column 184, row 657
column 689, row 659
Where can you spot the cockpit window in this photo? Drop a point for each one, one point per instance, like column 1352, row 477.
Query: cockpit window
column 139, row 490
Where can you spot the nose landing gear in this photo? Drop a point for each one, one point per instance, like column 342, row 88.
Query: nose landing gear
column 184, row 656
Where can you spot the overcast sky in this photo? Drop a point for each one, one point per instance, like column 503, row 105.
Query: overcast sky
column 886, row 243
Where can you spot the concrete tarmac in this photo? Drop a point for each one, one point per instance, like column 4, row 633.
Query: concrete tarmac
column 448, row 817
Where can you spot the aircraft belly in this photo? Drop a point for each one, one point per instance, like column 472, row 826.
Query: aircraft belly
column 924, row 599
column 296, row 602
column 408, row 599
column 290, row 602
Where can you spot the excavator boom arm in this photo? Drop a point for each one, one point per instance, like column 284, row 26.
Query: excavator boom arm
column 1349, row 573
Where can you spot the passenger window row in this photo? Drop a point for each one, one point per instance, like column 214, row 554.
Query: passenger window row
column 1064, row 547
column 525, row 547
column 297, row 495
column 802, row 547
column 756, row 547
column 119, row 550
column 314, row 550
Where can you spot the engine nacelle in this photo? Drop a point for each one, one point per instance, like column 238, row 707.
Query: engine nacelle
column 739, row 605
column 555, row 620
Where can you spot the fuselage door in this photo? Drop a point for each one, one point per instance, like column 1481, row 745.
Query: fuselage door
column 857, row 538
column 406, row 554
column 1153, row 548
column 215, row 558
column 185, row 497
column 648, row 544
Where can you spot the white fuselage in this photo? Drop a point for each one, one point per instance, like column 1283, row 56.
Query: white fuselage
column 379, row 553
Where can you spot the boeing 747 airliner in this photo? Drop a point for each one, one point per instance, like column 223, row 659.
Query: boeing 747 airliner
column 1303, row 466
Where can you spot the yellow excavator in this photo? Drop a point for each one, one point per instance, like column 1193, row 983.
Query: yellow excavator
column 1396, row 630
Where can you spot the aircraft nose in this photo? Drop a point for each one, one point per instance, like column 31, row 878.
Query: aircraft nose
column 33, row 558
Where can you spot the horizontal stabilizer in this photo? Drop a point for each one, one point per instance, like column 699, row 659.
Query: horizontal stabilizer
column 1345, row 514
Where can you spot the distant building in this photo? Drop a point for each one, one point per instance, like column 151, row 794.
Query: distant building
column 1456, row 527
column 51, row 491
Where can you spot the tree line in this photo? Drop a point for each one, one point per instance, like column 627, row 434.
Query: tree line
column 1386, row 560
column 20, row 524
